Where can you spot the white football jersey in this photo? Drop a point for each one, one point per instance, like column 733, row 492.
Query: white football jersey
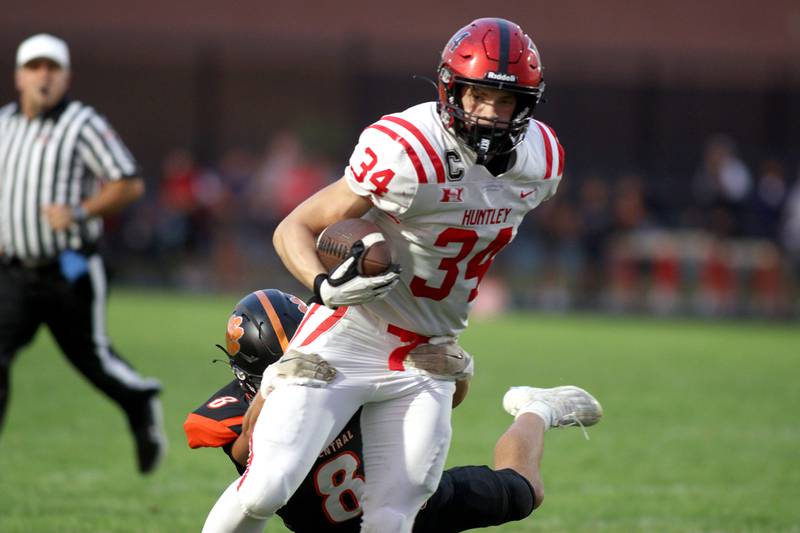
column 444, row 216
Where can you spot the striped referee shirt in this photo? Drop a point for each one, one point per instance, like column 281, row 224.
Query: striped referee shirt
column 58, row 157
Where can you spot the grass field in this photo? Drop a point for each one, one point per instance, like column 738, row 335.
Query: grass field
column 701, row 430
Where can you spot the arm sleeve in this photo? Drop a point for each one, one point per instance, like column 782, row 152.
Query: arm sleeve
column 381, row 169
column 469, row 497
column 104, row 152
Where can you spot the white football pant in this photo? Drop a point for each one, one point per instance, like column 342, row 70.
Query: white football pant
column 405, row 425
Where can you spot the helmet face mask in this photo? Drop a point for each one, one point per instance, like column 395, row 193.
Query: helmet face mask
column 249, row 382
column 493, row 54
column 257, row 333
column 488, row 138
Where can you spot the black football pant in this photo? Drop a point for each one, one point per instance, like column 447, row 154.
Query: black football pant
column 469, row 497
column 75, row 312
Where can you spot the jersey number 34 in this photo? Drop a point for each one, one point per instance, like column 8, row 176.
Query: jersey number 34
column 476, row 267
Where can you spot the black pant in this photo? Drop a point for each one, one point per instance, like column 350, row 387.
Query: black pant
column 75, row 312
column 470, row 497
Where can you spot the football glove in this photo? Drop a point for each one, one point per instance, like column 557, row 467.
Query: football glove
column 441, row 358
column 297, row 368
column 345, row 286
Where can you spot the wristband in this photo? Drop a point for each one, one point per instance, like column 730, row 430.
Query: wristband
column 317, row 298
column 79, row 214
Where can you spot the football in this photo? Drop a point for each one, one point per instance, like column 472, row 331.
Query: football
column 335, row 242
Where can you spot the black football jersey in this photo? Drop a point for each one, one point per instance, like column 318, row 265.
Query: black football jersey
column 328, row 498
column 218, row 422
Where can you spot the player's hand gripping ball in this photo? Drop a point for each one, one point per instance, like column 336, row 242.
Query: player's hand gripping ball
column 359, row 263
column 337, row 240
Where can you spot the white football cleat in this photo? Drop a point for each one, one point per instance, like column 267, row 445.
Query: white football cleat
column 569, row 405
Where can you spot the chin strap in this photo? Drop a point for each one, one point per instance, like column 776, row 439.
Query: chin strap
column 224, row 350
column 482, row 150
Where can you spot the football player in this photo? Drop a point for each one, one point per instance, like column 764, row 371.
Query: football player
column 329, row 499
column 448, row 183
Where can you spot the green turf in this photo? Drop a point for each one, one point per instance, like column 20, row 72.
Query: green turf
column 700, row 433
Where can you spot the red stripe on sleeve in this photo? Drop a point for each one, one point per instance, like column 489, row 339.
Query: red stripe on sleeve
column 560, row 158
column 435, row 159
column 326, row 324
column 548, row 151
column 412, row 154
column 560, row 150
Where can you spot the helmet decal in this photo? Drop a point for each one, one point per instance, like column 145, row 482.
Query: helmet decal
column 258, row 333
column 233, row 334
column 458, row 40
column 505, row 43
column 301, row 305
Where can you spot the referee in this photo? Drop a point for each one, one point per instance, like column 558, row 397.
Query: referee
column 54, row 154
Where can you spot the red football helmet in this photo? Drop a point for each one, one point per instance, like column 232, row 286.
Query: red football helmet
column 494, row 53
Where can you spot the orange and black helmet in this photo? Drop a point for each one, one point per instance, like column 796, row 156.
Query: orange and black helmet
column 259, row 330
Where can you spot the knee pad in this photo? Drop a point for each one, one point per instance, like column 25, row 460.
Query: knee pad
column 260, row 499
column 385, row 520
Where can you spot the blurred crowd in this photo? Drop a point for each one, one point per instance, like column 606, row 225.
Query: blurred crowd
column 725, row 241
column 209, row 226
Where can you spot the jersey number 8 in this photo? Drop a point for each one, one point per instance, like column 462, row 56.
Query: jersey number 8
column 340, row 487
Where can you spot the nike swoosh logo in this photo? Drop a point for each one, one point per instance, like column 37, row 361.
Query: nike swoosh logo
column 523, row 194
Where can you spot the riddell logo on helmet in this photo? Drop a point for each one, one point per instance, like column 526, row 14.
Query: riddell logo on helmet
column 501, row 76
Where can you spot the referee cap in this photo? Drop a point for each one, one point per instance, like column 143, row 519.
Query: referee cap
column 44, row 46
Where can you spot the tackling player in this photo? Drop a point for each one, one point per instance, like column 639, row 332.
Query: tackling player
column 448, row 183
column 329, row 499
